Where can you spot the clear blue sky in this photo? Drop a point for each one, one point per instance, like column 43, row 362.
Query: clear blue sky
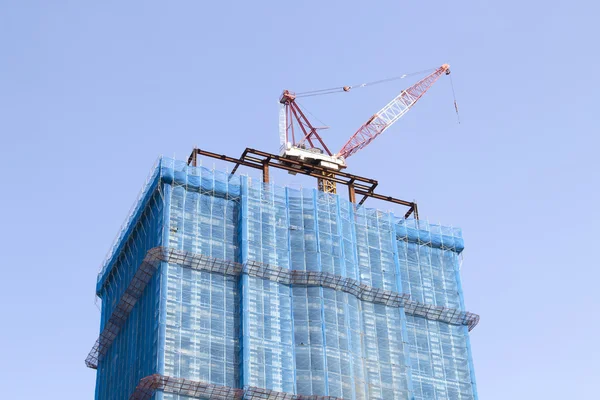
column 92, row 92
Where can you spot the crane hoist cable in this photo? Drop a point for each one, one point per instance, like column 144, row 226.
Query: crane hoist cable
column 454, row 97
column 325, row 126
column 341, row 89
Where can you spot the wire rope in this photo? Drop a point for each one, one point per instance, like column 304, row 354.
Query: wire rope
column 454, row 97
column 340, row 89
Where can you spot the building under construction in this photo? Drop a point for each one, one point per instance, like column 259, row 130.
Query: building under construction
column 223, row 286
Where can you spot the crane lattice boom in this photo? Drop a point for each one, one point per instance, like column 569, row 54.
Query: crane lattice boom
column 389, row 114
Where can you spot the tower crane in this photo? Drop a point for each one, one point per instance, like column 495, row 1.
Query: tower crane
column 312, row 149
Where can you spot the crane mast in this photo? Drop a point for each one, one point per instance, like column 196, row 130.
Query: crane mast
column 291, row 113
column 310, row 148
column 391, row 113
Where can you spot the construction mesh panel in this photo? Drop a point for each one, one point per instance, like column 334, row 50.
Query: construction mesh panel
column 130, row 332
column 202, row 326
column 201, row 321
column 385, row 364
column 343, row 343
column 269, row 326
column 439, row 360
column 429, row 262
column 328, row 299
column 268, row 225
column 203, row 223
column 145, row 234
column 131, row 223
column 374, row 244
column 270, row 336
column 318, row 228
column 124, row 307
column 133, row 353
column 202, row 307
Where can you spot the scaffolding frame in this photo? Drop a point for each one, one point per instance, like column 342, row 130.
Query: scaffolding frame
column 273, row 273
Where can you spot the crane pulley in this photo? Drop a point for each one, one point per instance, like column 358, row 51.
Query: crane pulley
column 293, row 121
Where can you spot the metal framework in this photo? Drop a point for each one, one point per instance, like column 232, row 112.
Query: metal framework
column 201, row 390
column 357, row 185
column 121, row 312
column 391, row 113
column 265, row 271
column 294, row 113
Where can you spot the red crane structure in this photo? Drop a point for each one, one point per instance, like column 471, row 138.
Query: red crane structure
column 293, row 121
column 303, row 151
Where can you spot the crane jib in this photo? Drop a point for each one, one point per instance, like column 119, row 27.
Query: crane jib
column 389, row 114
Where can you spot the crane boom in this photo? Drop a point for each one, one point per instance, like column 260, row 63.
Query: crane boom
column 391, row 113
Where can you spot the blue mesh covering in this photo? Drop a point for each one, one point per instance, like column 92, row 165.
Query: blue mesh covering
column 323, row 235
column 375, row 249
column 134, row 353
column 439, row 360
column 270, row 336
column 248, row 331
column 131, row 225
column 429, row 274
column 202, row 313
column 202, row 327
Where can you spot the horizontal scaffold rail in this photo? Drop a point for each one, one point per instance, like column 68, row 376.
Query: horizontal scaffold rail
column 257, row 159
column 201, row 390
column 273, row 273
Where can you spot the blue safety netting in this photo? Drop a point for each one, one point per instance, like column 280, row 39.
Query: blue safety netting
column 254, row 332
column 134, row 353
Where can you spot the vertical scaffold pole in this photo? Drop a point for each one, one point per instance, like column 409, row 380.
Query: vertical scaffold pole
column 244, row 287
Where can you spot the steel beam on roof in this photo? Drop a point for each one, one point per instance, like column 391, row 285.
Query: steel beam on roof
column 257, row 159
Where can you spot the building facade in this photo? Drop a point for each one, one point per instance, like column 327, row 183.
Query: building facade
column 223, row 287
